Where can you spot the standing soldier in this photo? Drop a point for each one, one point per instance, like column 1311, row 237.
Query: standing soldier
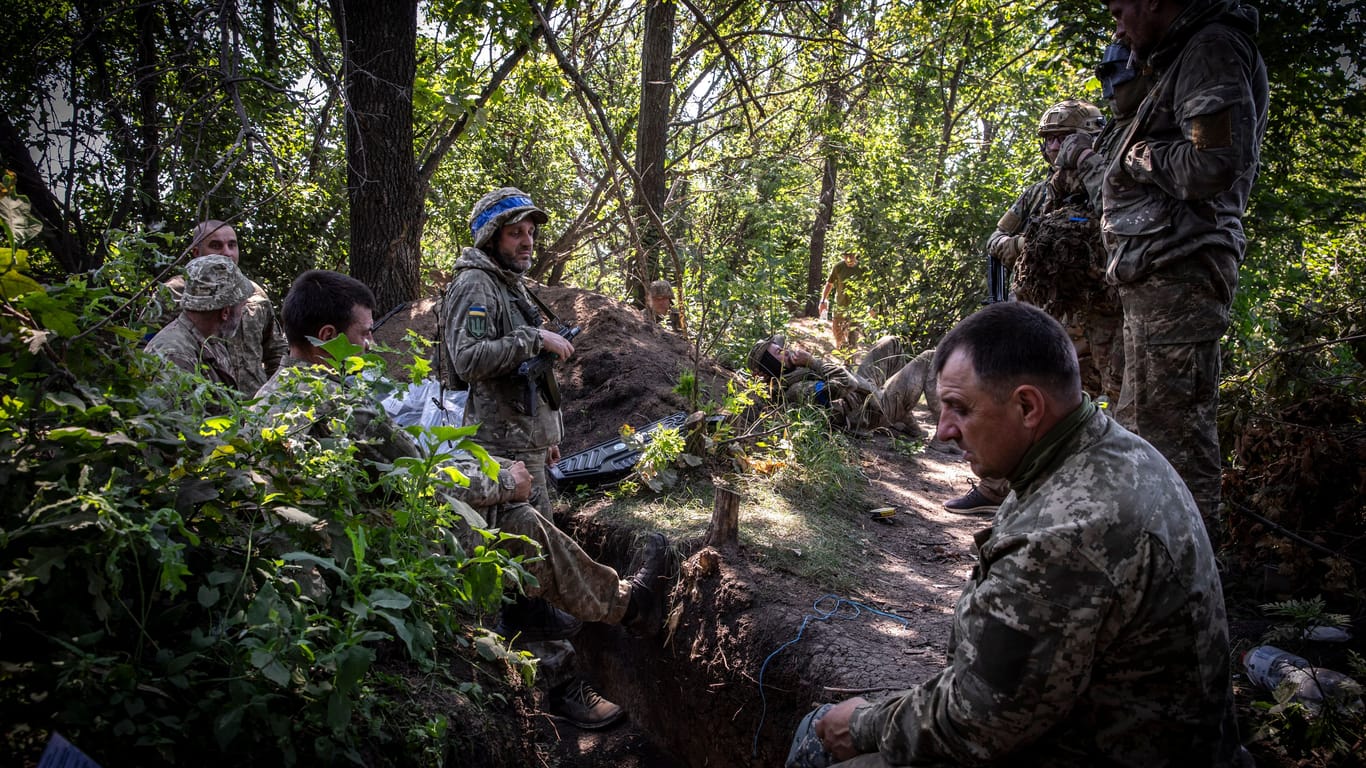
column 1008, row 243
column 1174, row 193
column 837, row 286
column 212, row 303
column 492, row 325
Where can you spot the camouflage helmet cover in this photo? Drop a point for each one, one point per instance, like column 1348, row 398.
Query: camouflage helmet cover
column 662, row 287
column 499, row 208
column 1071, row 116
column 214, row 282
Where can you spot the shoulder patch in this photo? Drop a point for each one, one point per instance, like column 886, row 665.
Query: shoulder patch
column 476, row 321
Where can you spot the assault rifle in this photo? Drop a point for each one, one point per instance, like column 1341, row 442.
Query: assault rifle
column 996, row 280
column 541, row 367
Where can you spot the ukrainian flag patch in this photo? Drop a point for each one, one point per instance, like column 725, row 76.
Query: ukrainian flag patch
column 476, row 321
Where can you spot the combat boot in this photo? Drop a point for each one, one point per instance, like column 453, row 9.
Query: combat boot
column 645, row 608
column 577, row 702
column 533, row 620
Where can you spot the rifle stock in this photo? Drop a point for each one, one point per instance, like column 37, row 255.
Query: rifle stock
column 540, row 366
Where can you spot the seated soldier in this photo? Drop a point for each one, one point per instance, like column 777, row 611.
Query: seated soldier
column 854, row 402
column 322, row 305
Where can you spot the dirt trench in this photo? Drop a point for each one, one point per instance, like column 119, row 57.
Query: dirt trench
column 693, row 693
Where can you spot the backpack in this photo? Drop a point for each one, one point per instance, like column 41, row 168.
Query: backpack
column 1061, row 268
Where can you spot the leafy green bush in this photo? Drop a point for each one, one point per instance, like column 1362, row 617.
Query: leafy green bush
column 183, row 579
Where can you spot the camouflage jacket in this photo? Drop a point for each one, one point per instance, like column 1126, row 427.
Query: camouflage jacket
column 258, row 347
column 840, row 276
column 490, row 327
column 1091, row 631
column 854, row 400
column 1181, row 176
column 183, row 345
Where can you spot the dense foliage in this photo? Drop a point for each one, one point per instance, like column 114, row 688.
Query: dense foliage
column 185, row 576
column 795, row 130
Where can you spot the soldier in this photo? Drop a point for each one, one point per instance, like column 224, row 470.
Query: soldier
column 213, row 302
column 1008, row 242
column 660, row 301
column 854, row 401
column 1124, row 88
column 1092, row 629
column 492, row 324
column 1174, row 191
column 257, row 347
column 323, row 305
column 837, row 285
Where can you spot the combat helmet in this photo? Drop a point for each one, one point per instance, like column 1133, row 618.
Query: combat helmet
column 499, row 208
column 1115, row 68
column 214, row 282
column 1071, row 116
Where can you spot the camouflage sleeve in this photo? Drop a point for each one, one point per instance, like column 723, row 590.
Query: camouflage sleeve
column 475, row 349
column 183, row 359
column 1092, row 173
column 1213, row 103
column 1003, row 244
column 1026, row 634
column 483, row 491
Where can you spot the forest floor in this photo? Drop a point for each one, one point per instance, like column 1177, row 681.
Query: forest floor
column 694, row 696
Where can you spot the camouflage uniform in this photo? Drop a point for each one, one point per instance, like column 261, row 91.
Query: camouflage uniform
column 567, row 576
column 1173, row 194
column 903, row 391
column 183, row 345
column 258, row 347
column 854, row 402
column 1091, row 631
column 212, row 283
column 490, row 327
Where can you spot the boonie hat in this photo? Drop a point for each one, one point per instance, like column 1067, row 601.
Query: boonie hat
column 499, row 208
column 214, row 282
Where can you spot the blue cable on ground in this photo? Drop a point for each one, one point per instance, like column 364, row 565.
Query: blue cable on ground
column 820, row 615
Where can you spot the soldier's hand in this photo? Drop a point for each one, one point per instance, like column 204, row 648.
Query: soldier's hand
column 521, row 491
column 552, row 454
column 556, row 343
column 1074, row 149
column 833, row 729
column 1006, row 248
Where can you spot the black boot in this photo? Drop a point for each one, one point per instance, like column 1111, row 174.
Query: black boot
column 533, row 620
column 645, row 609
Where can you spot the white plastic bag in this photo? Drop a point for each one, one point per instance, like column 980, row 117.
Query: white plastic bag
column 427, row 404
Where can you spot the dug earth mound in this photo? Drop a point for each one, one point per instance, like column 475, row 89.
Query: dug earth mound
column 694, row 693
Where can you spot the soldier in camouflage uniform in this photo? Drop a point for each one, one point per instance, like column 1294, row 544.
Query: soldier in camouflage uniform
column 492, row 325
column 1124, row 88
column 1173, row 196
column 1007, row 243
column 257, row 347
column 1092, row 630
column 324, row 305
column 837, row 286
column 854, row 402
column 213, row 300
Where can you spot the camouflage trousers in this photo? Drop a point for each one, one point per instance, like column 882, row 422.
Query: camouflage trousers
column 903, row 391
column 568, row 578
column 882, row 361
column 1173, row 321
column 839, row 328
column 1100, row 352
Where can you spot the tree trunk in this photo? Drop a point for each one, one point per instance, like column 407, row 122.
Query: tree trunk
column 652, row 136
column 724, row 530
column 379, row 43
column 57, row 235
column 825, row 205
